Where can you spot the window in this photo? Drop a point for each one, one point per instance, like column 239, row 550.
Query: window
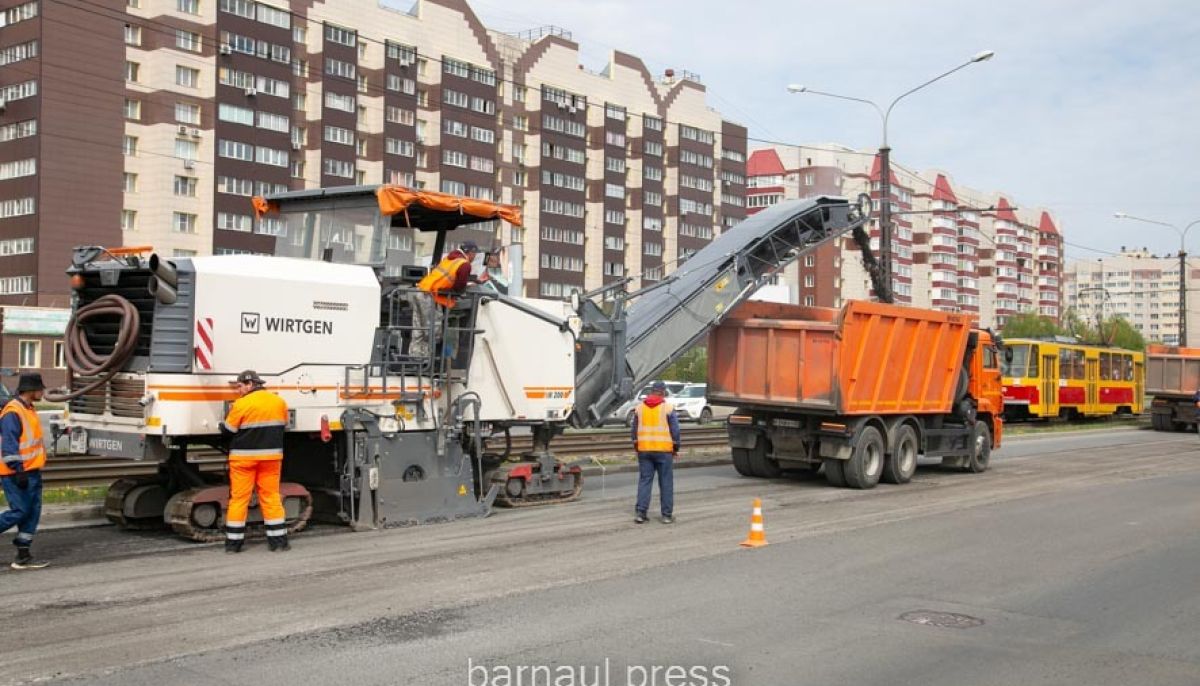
column 455, row 128
column 453, row 187
column 336, row 34
column 235, row 150
column 454, row 158
column 652, row 224
column 299, row 101
column 338, row 168
column 29, row 354
column 565, row 126
column 570, row 209
column 275, row 17
column 568, row 181
column 186, row 76
column 271, row 156
column 20, row 129
column 12, row 15
column 133, row 35
column 129, row 182
column 653, row 173
column 652, row 248
column 272, row 122
column 131, row 71
column 401, row 84
column 234, row 186
column 483, row 105
column 404, row 54
column 15, row 285
column 614, row 164
column 188, row 6
column 19, row 52
column 613, row 190
column 299, row 34
column 395, row 146
column 695, row 158
column 653, row 148
column 651, row 123
column 242, row 8
column 556, row 235
column 187, row 113
column 456, row 98
column 234, row 222
column 185, row 149
column 60, row 356
column 129, row 146
column 569, row 264
column 614, row 269
column 18, row 91
column 185, row 186
column 614, row 217
column 483, row 164
column 693, row 134
column 614, row 243
column 699, row 183
column 338, row 68
column 483, row 135
column 18, row 168
column 560, row 152
column 345, row 103
column 336, row 134
column 297, row 170
column 235, row 114
column 187, row 40
column 183, row 222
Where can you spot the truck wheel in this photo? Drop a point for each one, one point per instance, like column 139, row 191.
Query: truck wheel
column 741, row 461
column 834, row 472
column 865, row 465
column 762, row 465
column 705, row 417
column 981, row 448
column 1158, row 422
column 902, row 463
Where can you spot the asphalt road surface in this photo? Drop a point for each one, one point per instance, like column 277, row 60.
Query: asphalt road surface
column 1075, row 560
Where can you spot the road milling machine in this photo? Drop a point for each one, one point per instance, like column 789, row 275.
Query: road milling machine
column 379, row 435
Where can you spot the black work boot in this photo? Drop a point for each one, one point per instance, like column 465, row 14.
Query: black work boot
column 25, row 560
column 233, row 546
column 278, row 544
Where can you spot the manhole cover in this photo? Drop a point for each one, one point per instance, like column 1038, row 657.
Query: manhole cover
column 948, row 620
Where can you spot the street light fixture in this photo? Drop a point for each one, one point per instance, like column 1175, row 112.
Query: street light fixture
column 885, row 167
column 1182, row 265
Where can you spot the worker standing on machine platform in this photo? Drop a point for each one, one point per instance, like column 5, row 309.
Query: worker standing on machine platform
column 447, row 278
column 257, row 420
column 656, row 437
column 24, row 456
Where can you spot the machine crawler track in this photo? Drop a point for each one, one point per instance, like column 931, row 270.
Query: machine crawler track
column 199, row 513
column 117, row 508
column 520, row 485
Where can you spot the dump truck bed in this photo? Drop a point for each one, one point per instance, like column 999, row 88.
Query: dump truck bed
column 867, row 358
column 1172, row 371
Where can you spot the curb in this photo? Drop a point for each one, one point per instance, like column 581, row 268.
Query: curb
column 80, row 516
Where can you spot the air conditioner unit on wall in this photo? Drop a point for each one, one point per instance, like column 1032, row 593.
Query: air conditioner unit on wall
column 189, row 164
column 251, row 92
column 226, row 49
column 195, row 132
column 183, row 130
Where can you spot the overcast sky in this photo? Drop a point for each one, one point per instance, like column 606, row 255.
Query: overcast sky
column 1088, row 107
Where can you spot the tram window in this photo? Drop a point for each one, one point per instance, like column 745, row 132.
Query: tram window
column 1016, row 367
column 1034, row 352
column 1064, row 363
column 1106, row 367
column 1128, row 367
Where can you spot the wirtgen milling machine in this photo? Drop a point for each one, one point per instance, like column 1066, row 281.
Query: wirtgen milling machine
column 379, row 436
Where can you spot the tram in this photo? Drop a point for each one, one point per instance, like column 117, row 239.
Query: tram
column 1046, row 379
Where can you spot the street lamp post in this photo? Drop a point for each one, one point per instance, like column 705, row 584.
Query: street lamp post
column 885, row 166
column 1182, row 266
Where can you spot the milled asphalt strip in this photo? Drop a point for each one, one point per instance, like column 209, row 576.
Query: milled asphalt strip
column 72, row 620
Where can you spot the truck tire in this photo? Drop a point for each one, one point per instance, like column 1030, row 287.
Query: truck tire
column 760, row 464
column 741, row 461
column 835, row 474
column 1159, row 422
column 902, row 463
column 865, row 465
column 981, row 448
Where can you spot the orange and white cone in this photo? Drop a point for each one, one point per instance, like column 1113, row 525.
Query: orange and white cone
column 758, row 535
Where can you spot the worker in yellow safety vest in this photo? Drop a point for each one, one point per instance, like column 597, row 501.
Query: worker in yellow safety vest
column 257, row 421
column 24, row 456
column 656, row 439
column 448, row 278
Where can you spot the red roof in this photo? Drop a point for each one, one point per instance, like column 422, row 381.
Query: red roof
column 764, row 162
column 1046, row 225
column 1004, row 211
column 941, row 190
column 875, row 172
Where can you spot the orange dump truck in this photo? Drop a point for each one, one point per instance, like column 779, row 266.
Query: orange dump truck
column 862, row 390
column 1172, row 379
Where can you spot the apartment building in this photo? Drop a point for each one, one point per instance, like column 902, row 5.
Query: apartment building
column 1139, row 286
column 954, row 248
column 153, row 122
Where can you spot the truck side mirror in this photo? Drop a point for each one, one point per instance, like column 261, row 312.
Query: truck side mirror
column 1008, row 354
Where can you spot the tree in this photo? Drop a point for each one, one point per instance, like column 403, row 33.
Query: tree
column 1117, row 331
column 1030, row 325
column 691, row 367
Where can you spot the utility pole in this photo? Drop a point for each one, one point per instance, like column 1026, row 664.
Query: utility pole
column 1183, row 337
column 885, row 166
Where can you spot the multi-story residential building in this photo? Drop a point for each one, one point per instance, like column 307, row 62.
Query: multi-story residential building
column 948, row 253
column 153, row 122
column 1136, row 285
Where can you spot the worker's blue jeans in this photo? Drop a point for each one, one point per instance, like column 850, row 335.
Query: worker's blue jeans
column 24, row 507
column 663, row 465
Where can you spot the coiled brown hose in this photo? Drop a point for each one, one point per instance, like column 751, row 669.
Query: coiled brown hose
column 82, row 360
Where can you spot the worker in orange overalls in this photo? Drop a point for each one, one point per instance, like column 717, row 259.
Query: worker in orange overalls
column 437, row 290
column 21, row 468
column 257, row 421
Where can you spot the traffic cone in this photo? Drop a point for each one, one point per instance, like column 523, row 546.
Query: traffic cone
column 758, row 535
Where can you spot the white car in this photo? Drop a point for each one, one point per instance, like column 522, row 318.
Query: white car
column 624, row 413
column 692, row 405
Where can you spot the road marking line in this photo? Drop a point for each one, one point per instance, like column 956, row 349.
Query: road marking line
column 716, row 643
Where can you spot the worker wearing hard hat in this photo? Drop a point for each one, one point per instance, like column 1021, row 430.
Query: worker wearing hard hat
column 257, row 421
column 448, row 278
column 656, row 438
column 24, row 456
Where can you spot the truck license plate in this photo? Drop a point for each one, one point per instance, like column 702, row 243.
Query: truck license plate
column 79, row 443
